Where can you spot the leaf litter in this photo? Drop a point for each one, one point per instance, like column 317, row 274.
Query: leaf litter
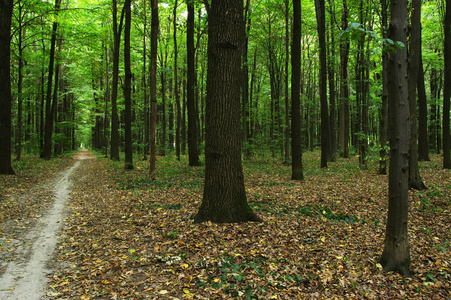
column 129, row 238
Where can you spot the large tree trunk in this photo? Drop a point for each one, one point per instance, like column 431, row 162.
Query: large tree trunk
column 396, row 254
column 296, row 138
column 6, row 12
column 224, row 198
column 153, row 86
column 447, row 89
column 415, row 181
column 191, row 85
column 128, row 88
column 321, row 20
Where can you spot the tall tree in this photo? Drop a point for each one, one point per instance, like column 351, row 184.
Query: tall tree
column 128, row 88
column 224, row 198
column 155, row 23
column 383, row 119
column 296, row 138
column 415, row 180
column 117, row 29
column 6, row 11
column 176, row 86
column 396, row 254
column 48, row 130
column 191, row 86
column 344, row 89
column 321, row 27
column 447, row 88
column 423, row 143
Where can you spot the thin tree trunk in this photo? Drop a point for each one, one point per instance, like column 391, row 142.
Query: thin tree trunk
column 48, row 130
column 344, row 90
column 423, row 144
column 114, row 152
column 128, row 88
column 383, row 120
column 153, row 87
column 321, row 20
column 176, row 87
column 297, row 172
column 415, row 180
column 447, row 89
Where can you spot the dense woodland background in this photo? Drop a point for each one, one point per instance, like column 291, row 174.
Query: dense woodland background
column 62, row 57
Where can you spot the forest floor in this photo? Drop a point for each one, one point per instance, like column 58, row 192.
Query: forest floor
column 128, row 238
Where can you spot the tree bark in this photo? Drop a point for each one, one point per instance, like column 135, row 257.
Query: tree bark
column 297, row 172
column 128, row 88
column 344, row 90
column 191, row 86
column 396, row 254
column 383, row 119
column 114, row 151
column 224, row 198
column 415, row 180
column 447, row 88
column 6, row 12
column 153, row 86
column 176, row 86
column 48, row 130
column 423, row 144
column 321, row 21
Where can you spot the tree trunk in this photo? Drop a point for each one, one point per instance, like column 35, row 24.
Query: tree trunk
column 331, row 78
column 114, row 152
column 296, row 138
column 396, row 254
column 415, row 180
column 48, row 130
column 224, row 198
column 321, row 21
column 344, row 90
column 383, row 119
column 245, row 82
column 6, row 12
column 176, row 87
column 191, row 86
column 423, row 144
column 128, row 88
column 287, row 102
column 447, row 88
column 21, row 33
column 153, row 86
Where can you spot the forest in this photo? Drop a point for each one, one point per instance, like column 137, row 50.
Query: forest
column 251, row 149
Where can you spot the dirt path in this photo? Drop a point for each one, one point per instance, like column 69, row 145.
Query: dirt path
column 25, row 277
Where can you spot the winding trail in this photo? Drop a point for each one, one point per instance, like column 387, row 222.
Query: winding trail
column 26, row 278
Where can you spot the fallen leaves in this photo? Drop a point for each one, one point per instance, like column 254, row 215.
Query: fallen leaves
column 128, row 238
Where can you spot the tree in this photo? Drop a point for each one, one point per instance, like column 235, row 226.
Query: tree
column 191, row 85
column 128, row 88
column 413, row 67
column 224, row 198
column 344, row 89
column 155, row 23
column 447, row 88
column 321, row 20
column 6, row 11
column 48, row 101
column 296, row 138
column 396, row 254
column 117, row 29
